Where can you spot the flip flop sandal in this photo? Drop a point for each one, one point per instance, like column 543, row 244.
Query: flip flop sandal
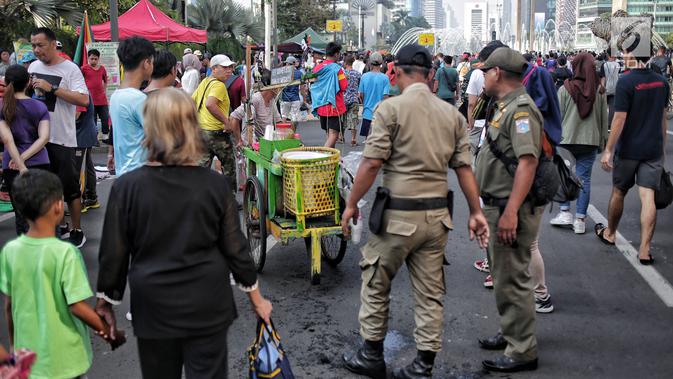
column 599, row 229
column 646, row 262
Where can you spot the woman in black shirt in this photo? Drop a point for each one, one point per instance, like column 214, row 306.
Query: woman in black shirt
column 177, row 223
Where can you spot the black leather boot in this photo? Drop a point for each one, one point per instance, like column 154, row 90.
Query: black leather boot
column 368, row 360
column 421, row 367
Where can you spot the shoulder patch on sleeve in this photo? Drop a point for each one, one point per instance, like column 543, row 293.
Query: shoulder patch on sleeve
column 522, row 126
column 523, row 100
column 519, row 115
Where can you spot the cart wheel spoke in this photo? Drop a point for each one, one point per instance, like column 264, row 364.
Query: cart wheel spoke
column 254, row 214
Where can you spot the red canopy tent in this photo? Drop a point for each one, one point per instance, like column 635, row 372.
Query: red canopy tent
column 145, row 20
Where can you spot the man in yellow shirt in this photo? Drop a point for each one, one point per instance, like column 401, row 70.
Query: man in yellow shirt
column 212, row 104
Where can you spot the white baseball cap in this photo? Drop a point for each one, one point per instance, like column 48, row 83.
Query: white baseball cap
column 221, row 60
column 198, row 52
column 187, row 51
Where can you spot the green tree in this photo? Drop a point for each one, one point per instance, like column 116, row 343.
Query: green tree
column 99, row 10
column 18, row 17
column 228, row 25
column 296, row 15
column 402, row 22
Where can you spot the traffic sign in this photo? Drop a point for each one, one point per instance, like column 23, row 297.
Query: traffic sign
column 334, row 26
column 426, row 39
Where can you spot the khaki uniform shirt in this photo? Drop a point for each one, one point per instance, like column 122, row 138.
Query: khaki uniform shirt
column 418, row 136
column 515, row 127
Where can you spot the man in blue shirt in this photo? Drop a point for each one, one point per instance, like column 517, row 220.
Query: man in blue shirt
column 374, row 86
column 446, row 81
column 126, row 104
column 641, row 98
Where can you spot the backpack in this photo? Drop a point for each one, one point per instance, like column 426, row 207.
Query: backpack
column 463, row 86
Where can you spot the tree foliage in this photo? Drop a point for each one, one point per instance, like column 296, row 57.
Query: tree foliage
column 402, row 22
column 294, row 16
column 228, row 25
column 19, row 17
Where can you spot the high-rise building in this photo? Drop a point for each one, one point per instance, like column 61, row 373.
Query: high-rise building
column 451, row 17
column 434, row 13
column 550, row 13
column 475, row 24
column 587, row 12
column 662, row 10
column 566, row 14
column 415, row 7
column 508, row 22
column 399, row 5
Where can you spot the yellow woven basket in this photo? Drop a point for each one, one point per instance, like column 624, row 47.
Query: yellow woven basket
column 310, row 185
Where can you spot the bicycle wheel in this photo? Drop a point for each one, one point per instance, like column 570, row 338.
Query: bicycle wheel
column 254, row 215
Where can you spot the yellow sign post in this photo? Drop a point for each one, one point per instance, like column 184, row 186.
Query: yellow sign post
column 334, row 26
column 426, row 39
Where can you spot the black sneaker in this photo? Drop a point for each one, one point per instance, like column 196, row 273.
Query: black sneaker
column 64, row 231
column 90, row 204
column 77, row 238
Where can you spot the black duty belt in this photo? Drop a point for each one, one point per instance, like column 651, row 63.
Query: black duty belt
column 495, row 201
column 417, row 204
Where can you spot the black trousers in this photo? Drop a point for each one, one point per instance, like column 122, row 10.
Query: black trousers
column 83, row 157
column 103, row 114
column 203, row 357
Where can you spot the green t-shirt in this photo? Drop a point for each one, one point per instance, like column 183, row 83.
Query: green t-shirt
column 448, row 81
column 43, row 276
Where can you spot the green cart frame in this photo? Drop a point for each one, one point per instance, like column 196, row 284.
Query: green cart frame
column 265, row 215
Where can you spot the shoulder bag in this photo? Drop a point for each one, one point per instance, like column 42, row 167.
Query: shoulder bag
column 547, row 178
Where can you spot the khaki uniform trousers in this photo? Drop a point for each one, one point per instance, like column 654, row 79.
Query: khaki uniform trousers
column 512, row 283
column 417, row 238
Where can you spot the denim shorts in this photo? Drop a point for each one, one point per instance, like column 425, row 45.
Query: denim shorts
column 628, row 172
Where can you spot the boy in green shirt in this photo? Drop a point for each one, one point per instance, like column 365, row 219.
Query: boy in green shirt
column 45, row 283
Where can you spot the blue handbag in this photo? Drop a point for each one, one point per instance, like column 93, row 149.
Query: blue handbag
column 266, row 357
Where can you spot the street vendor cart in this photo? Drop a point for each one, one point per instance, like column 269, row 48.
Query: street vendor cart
column 291, row 192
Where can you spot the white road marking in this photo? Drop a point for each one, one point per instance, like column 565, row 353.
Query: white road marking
column 659, row 284
column 7, row 216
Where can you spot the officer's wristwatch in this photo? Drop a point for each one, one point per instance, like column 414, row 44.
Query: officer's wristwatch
column 54, row 88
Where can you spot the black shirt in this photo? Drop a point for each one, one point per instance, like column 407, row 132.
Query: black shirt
column 179, row 227
column 643, row 95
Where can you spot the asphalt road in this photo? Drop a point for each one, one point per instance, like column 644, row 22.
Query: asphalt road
column 611, row 318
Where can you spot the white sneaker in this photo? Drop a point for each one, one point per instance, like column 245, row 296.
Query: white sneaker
column 579, row 226
column 129, row 316
column 564, row 218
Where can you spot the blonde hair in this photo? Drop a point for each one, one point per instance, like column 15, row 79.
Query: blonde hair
column 172, row 133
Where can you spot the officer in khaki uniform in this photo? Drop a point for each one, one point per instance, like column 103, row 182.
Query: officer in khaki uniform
column 415, row 138
column 514, row 130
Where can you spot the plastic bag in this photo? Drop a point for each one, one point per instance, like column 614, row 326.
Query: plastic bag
column 349, row 168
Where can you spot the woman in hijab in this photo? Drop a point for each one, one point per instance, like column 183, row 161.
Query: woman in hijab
column 192, row 75
column 585, row 132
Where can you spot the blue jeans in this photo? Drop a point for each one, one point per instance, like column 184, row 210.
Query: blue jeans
column 584, row 164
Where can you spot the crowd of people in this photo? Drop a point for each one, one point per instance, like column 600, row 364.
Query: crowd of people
column 490, row 116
